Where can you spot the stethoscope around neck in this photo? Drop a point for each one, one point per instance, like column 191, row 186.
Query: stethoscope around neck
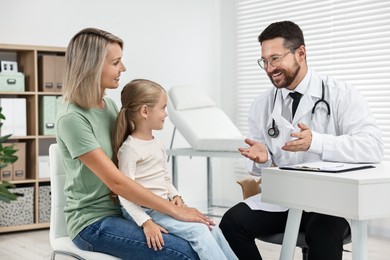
column 274, row 132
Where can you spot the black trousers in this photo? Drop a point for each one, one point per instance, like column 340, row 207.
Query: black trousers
column 324, row 234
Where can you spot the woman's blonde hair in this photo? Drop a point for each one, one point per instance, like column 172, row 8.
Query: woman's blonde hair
column 134, row 95
column 84, row 61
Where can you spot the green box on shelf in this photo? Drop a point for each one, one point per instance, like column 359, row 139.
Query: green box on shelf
column 11, row 81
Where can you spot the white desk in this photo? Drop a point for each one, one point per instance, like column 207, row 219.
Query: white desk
column 208, row 154
column 356, row 195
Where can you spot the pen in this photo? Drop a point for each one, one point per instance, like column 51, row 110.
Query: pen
column 304, row 167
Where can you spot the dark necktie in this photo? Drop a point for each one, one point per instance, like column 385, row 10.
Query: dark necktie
column 296, row 96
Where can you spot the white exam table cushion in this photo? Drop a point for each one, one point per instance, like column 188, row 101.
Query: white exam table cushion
column 202, row 124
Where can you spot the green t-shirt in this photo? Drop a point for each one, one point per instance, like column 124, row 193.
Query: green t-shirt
column 80, row 131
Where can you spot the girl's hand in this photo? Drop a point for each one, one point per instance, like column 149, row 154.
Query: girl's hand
column 153, row 234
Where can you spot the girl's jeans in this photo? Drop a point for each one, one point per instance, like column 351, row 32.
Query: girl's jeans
column 209, row 244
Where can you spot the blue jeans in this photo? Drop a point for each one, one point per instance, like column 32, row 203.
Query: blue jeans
column 125, row 239
column 209, row 244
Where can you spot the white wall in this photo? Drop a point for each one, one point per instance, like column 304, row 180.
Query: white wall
column 172, row 42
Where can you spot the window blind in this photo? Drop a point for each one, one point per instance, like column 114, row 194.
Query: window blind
column 346, row 39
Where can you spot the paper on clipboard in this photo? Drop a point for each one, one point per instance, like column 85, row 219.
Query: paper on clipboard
column 333, row 167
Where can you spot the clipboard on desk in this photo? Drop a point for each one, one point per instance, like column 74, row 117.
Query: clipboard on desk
column 331, row 167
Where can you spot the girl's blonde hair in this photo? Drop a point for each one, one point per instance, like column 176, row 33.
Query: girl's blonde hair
column 84, row 61
column 134, row 95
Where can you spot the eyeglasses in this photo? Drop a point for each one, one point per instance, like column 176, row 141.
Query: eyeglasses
column 274, row 61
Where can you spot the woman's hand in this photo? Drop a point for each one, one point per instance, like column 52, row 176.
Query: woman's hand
column 192, row 215
column 153, row 234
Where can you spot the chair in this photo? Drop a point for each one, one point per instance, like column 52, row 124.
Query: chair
column 59, row 239
column 204, row 125
column 251, row 187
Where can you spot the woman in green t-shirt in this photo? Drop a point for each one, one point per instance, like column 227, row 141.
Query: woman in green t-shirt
column 84, row 128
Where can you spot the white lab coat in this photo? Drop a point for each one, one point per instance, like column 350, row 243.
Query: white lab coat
column 349, row 134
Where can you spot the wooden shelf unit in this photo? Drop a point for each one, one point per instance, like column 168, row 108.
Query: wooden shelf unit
column 36, row 144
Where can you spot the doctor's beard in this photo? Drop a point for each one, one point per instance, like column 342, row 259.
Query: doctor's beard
column 288, row 76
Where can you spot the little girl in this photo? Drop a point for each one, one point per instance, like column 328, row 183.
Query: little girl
column 142, row 158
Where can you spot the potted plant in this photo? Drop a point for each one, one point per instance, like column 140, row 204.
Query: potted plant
column 7, row 156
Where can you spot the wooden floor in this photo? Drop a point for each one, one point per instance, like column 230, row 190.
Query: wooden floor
column 34, row 245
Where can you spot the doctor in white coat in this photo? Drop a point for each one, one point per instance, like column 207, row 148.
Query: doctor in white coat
column 332, row 122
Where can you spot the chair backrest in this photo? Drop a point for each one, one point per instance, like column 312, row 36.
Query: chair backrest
column 59, row 239
column 57, row 179
column 201, row 122
column 249, row 186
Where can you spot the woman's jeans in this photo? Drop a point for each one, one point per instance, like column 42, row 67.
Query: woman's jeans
column 126, row 240
column 209, row 244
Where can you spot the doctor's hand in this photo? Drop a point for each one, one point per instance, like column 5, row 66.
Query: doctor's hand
column 256, row 151
column 302, row 140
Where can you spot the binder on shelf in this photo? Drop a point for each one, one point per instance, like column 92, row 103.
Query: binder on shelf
column 44, row 167
column 59, row 62
column 6, row 172
column 48, row 113
column 16, row 170
column 19, row 167
column 14, row 110
column 50, row 72
column 46, row 72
